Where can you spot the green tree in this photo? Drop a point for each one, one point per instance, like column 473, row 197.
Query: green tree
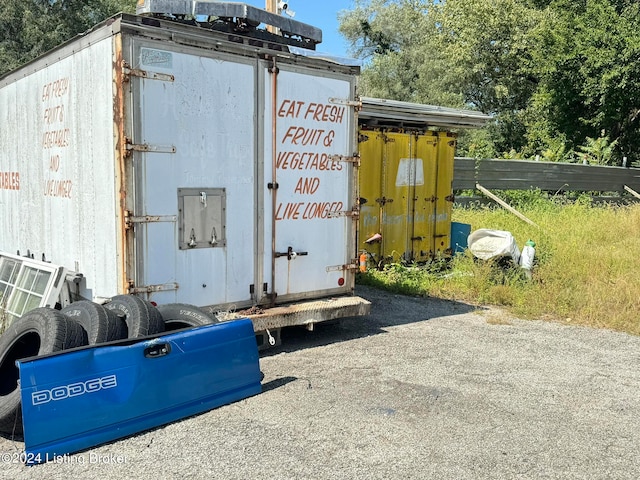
column 597, row 151
column 396, row 40
column 552, row 72
column 29, row 28
column 587, row 63
column 458, row 53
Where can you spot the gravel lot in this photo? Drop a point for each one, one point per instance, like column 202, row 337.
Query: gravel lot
column 421, row 388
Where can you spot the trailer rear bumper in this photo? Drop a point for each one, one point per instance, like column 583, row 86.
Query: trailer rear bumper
column 307, row 313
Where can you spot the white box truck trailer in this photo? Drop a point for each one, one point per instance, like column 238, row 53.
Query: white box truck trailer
column 183, row 161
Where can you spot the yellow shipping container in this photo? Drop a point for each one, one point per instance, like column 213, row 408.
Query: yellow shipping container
column 406, row 177
column 405, row 194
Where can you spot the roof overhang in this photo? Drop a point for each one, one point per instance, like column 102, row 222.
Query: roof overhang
column 383, row 112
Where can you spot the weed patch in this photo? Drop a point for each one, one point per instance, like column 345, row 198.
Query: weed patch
column 587, row 265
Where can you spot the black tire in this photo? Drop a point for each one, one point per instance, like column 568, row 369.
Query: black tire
column 38, row 332
column 182, row 315
column 140, row 316
column 101, row 324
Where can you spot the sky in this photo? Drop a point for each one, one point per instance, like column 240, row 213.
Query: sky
column 322, row 14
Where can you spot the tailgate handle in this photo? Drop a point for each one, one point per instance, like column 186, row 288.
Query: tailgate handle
column 158, row 350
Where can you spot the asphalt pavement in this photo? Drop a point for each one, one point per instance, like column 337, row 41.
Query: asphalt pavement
column 420, row 389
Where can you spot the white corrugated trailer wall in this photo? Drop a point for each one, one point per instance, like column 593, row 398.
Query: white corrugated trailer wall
column 56, row 133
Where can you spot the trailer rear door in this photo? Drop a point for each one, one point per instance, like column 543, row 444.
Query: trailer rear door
column 309, row 136
column 193, row 149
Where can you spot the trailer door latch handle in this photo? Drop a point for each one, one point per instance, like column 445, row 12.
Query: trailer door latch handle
column 290, row 254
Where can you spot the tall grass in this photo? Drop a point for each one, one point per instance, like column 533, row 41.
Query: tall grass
column 587, row 267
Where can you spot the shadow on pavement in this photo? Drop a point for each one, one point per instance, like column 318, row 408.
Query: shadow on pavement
column 387, row 310
column 277, row 383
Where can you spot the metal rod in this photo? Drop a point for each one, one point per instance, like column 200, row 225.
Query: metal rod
column 274, row 174
column 412, row 185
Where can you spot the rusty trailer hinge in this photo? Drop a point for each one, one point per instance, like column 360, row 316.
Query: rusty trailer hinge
column 355, row 158
column 338, row 268
column 130, row 220
column 152, row 288
column 145, row 147
column 127, row 72
column 354, row 213
column 344, row 101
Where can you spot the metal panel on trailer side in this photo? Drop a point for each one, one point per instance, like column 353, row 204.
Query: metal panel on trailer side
column 57, row 118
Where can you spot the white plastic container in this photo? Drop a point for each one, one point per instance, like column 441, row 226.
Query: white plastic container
column 528, row 254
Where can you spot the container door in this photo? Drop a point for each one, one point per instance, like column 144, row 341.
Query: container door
column 372, row 176
column 424, row 198
column 309, row 180
column 398, row 181
column 444, row 202
column 403, row 171
column 193, row 150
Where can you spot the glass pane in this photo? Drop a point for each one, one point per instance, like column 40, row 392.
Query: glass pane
column 41, row 282
column 33, row 301
column 26, row 278
column 18, row 302
column 8, row 270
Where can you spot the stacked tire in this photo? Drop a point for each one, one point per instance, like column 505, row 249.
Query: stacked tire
column 140, row 317
column 177, row 316
column 39, row 332
column 100, row 324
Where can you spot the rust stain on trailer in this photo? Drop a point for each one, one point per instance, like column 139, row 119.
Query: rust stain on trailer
column 120, row 153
